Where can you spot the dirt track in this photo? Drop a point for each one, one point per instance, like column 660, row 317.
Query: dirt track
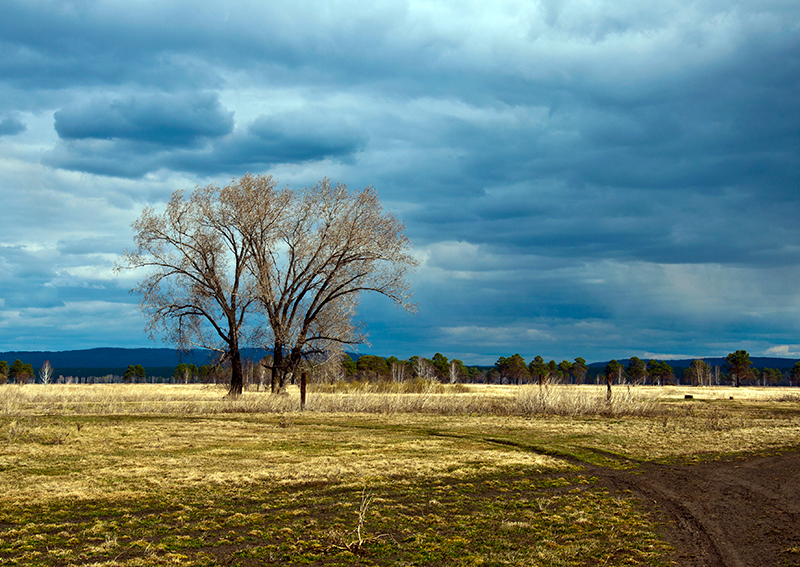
column 728, row 513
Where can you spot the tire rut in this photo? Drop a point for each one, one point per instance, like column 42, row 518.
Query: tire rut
column 728, row 513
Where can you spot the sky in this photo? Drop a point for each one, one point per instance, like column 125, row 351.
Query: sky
column 593, row 178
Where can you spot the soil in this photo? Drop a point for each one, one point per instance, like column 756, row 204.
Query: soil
column 732, row 512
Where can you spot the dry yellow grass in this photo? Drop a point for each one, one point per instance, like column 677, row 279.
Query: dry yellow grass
column 108, row 447
column 108, row 439
column 168, row 399
column 125, row 458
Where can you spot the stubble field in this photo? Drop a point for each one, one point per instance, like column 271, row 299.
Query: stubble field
column 118, row 475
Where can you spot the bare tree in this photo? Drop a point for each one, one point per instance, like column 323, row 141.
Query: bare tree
column 400, row 370
column 424, row 369
column 327, row 368
column 328, row 246
column 698, row 373
column 253, row 264
column 46, row 372
column 457, row 371
column 198, row 291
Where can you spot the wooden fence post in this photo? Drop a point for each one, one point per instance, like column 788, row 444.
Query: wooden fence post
column 303, row 391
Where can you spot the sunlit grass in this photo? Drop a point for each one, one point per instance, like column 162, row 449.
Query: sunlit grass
column 177, row 475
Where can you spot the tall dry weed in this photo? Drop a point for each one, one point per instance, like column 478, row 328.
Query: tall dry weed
column 571, row 401
column 418, row 396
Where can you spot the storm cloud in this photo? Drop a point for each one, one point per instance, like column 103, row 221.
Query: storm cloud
column 596, row 179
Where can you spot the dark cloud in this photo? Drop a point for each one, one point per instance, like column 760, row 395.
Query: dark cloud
column 268, row 141
column 164, row 120
column 11, row 126
column 132, row 136
column 56, row 45
column 286, row 140
column 135, row 147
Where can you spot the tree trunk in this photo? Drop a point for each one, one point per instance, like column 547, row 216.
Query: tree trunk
column 293, row 363
column 273, row 384
column 277, row 368
column 303, row 392
column 237, row 383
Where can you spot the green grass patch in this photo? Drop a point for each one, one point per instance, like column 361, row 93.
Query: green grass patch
column 514, row 516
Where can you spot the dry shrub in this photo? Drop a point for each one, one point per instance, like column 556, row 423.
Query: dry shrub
column 795, row 398
column 450, row 401
column 573, row 401
column 415, row 386
column 422, row 396
column 718, row 419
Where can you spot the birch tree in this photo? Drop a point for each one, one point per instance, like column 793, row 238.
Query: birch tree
column 698, row 373
column 46, row 372
column 457, row 371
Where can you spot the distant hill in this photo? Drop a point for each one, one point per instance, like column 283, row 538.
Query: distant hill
column 103, row 361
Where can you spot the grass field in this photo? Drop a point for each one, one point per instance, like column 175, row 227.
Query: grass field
column 471, row 475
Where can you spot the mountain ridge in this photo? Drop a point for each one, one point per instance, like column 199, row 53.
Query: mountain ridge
column 116, row 357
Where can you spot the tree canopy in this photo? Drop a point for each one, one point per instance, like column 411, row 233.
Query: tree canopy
column 637, row 370
column 134, row 372
column 661, row 371
column 794, row 373
column 538, row 369
column 373, row 367
column 738, row 366
column 513, row 368
column 579, row 370
column 21, row 372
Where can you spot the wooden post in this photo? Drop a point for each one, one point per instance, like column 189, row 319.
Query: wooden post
column 303, row 391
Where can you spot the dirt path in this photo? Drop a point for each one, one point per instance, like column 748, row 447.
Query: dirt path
column 728, row 513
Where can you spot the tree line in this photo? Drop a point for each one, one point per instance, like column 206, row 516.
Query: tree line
column 736, row 370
